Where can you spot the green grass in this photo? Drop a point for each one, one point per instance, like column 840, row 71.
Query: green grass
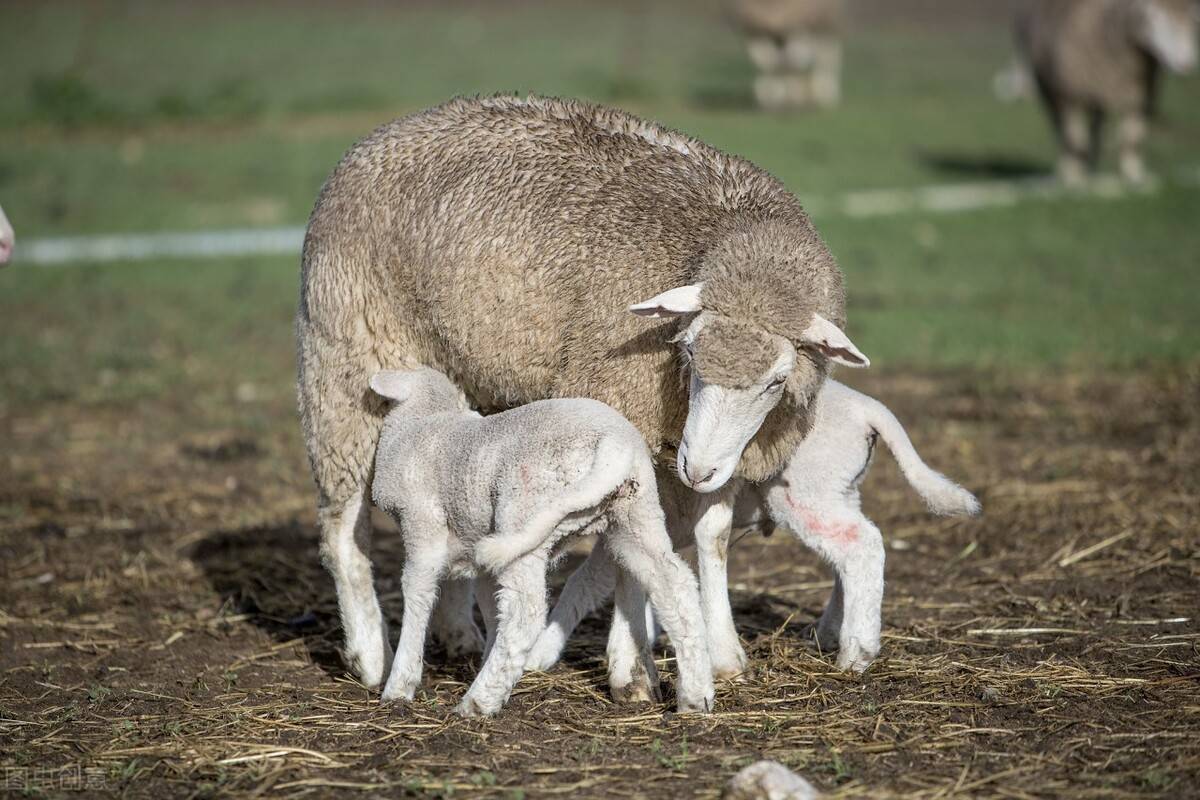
column 168, row 115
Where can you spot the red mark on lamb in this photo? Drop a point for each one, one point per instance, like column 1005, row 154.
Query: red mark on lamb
column 843, row 533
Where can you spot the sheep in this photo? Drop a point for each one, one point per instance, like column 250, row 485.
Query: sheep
column 1095, row 58
column 796, row 47
column 817, row 498
column 7, row 239
column 501, row 241
column 490, row 497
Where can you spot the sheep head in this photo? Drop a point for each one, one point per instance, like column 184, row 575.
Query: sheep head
column 756, row 339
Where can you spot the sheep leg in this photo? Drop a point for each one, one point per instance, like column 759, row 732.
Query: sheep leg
column 770, row 86
column 799, row 54
column 713, row 526
column 587, row 589
column 454, row 618
column 828, row 628
column 485, row 594
column 521, row 613
column 341, row 431
column 854, row 547
column 1074, row 132
column 644, row 548
column 1131, row 132
column 861, row 574
column 423, row 568
column 345, row 537
column 827, row 72
column 632, row 675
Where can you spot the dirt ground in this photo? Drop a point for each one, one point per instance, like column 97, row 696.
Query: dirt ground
column 166, row 628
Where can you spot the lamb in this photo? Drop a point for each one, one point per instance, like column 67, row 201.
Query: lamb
column 1095, row 58
column 817, row 498
column 796, row 47
column 501, row 241
column 492, row 496
column 7, row 239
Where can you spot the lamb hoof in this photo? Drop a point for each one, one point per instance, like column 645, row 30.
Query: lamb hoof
column 397, row 694
column 471, row 708
column 856, row 657
column 461, row 642
column 733, row 667
column 635, row 693
column 543, row 656
column 368, row 664
column 696, row 703
column 823, row 641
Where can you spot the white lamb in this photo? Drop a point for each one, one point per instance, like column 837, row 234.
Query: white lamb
column 817, row 498
column 490, row 497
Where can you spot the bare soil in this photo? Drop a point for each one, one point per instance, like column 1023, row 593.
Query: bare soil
column 166, row 628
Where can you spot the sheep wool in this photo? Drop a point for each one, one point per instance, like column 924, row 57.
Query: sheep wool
column 501, row 241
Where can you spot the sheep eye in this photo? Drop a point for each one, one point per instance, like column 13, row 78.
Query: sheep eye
column 777, row 383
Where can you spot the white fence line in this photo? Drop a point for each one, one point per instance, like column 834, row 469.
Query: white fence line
column 864, row 204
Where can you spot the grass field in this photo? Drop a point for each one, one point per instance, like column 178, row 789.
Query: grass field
column 163, row 617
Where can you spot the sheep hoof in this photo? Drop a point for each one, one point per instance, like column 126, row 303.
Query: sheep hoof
column 856, row 657
column 732, row 674
column 635, row 693
column 472, row 707
column 822, row 641
column 696, row 703
column 403, row 694
column 369, row 668
column 733, row 667
column 461, row 642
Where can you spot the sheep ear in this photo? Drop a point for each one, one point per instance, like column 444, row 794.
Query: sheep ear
column 829, row 340
column 392, row 384
column 671, row 303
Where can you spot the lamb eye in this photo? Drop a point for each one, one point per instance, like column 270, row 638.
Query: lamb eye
column 777, row 383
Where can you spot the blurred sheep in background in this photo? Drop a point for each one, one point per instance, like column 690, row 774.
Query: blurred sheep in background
column 796, row 47
column 1090, row 59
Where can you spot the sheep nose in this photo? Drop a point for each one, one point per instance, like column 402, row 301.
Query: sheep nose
column 692, row 479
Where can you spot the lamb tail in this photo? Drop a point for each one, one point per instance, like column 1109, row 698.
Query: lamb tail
column 612, row 465
column 942, row 495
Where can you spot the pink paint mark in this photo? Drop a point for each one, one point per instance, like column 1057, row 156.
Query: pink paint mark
column 525, row 478
column 843, row 533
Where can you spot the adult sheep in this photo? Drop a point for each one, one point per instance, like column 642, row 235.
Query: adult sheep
column 1093, row 58
column 501, row 241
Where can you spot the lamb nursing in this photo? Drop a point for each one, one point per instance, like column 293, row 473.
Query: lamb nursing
column 491, row 497
column 501, row 241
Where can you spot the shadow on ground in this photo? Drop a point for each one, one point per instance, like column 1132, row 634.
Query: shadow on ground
column 982, row 165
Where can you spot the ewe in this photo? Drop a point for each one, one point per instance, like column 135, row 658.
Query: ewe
column 491, row 497
column 796, row 47
column 1093, row 58
column 817, row 498
column 501, row 241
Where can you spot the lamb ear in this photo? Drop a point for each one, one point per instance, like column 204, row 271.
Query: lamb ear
column 393, row 384
column 671, row 303
column 829, row 340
